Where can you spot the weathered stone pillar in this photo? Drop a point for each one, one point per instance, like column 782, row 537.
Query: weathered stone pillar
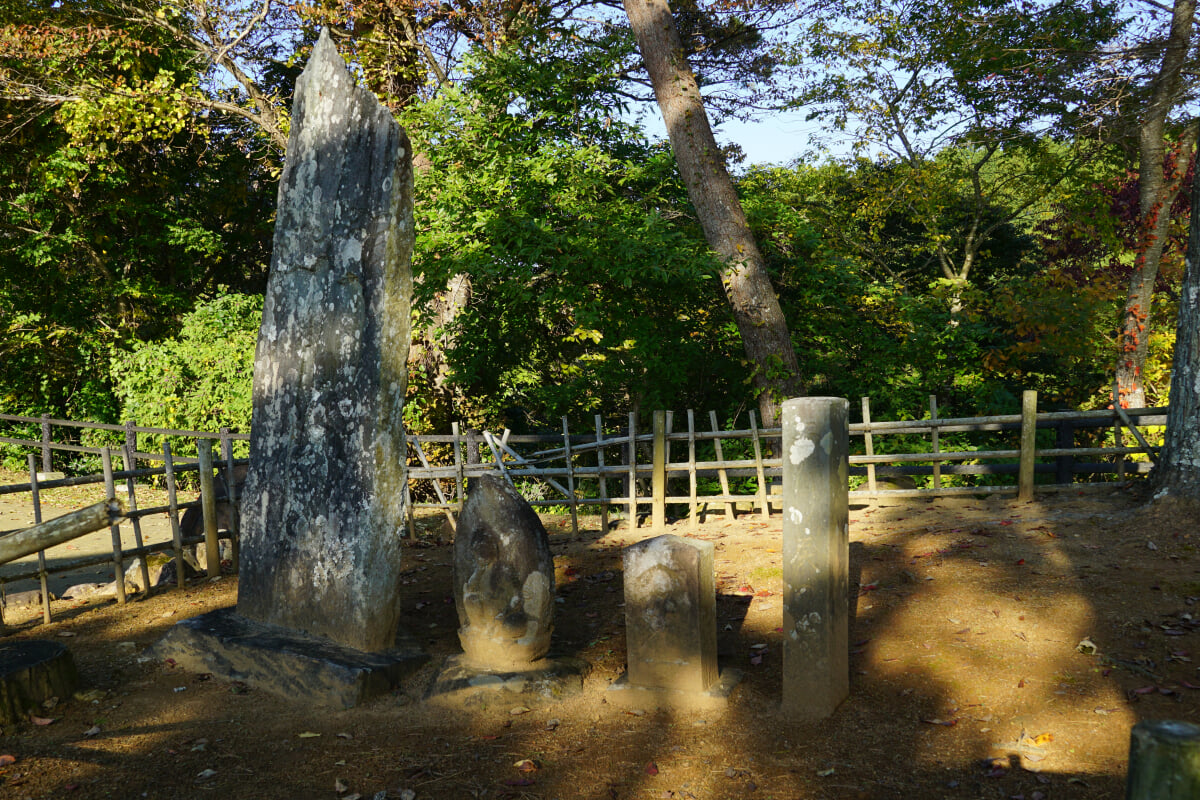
column 670, row 614
column 816, row 657
column 324, row 499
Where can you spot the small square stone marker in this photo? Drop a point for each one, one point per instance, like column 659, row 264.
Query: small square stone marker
column 671, row 625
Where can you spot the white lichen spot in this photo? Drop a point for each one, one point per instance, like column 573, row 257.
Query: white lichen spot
column 795, row 515
column 801, row 449
column 827, row 442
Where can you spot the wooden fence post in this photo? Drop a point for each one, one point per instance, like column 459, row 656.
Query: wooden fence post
column 603, row 479
column 934, row 439
column 633, row 520
column 1028, row 444
column 459, row 480
column 110, row 490
column 173, row 514
column 231, row 497
column 208, row 505
column 730, row 511
column 763, row 502
column 692, row 513
column 131, row 434
column 869, row 441
column 570, row 478
column 1164, row 761
column 37, row 520
column 128, row 461
column 47, row 462
column 1065, row 439
column 658, row 480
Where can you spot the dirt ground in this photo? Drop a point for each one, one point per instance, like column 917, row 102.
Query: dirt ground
column 968, row 677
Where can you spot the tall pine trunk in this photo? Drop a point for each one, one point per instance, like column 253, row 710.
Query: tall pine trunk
column 1178, row 468
column 748, row 288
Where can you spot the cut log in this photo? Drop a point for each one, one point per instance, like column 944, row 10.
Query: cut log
column 32, row 672
column 1164, row 761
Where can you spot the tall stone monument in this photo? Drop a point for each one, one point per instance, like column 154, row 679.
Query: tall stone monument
column 816, row 556
column 324, row 497
column 323, row 506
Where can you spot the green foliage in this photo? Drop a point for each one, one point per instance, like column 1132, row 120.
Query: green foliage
column 593, row 289
column 200, row 379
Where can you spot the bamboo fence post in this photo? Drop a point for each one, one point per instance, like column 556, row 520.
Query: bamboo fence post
column 658, row 477
column 129, row 462
column 47, row 465
column 869, row 441
column 730, row 512
column 570, row 478
column 173, row 514
column 934, row 438
column 603, row 479
column 633, row 520
column 231, row 497
column 208, row 506
column 1164, row 761
column 758, row 466
column 692, row 513
column 37, row 520
column 110, row 490
column 1028, row 444
column 459, row 481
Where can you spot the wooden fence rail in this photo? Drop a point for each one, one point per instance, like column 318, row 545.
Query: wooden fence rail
column 689, row 470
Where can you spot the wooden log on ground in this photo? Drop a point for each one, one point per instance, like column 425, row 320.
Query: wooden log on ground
column 32, row 672
column 1164, row 761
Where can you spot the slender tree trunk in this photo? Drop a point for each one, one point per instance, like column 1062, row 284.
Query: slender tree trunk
column 1156, row 193
column 1178, row 468
column 747, row 285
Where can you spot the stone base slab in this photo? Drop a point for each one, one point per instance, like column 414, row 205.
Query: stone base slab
column 627, row 695
column 285, row 661
column 549, row 679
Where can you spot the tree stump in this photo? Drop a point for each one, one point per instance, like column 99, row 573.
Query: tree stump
column 32, row 672
column 1164, row 761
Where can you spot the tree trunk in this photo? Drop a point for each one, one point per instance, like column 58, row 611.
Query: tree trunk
column 1156, row 193
column 747, row 285
column 1178, row 468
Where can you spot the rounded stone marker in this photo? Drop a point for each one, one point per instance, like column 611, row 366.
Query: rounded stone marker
column 32, row 672
column 503, row 579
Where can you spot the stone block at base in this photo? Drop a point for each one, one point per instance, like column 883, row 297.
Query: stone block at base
column 627, row 695
column 549, row 679
column 284, row 661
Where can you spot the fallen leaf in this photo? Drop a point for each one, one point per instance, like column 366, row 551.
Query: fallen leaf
column 308, row 735
column 41, row 720
column 948, row 723
column 518, row 710
column 1042, row 739
column 339, row 786
column 206, row 774
column 825, row 773
column 7, row 760
column 67, row 634
column 652, row 768
column 526, row 765
column 344, row 736
column 552, row 724
column 92, row 731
